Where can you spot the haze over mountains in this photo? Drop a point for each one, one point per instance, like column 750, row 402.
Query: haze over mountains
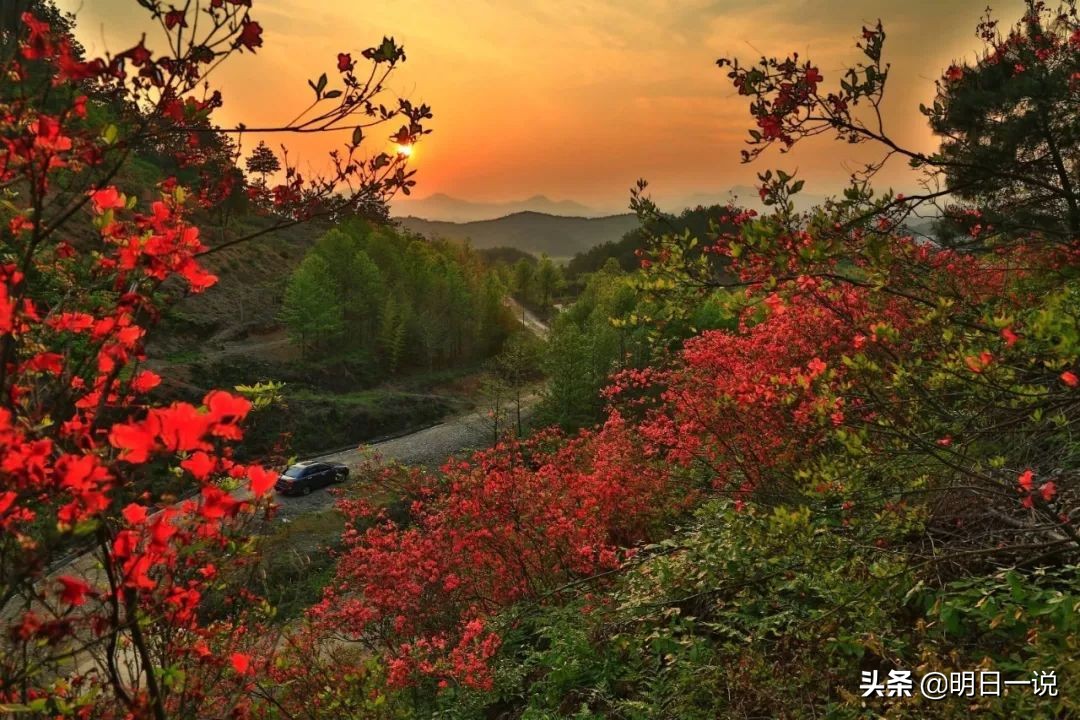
column 540, row 225
column 450, row 209
column 536, row 233
column 447, row 208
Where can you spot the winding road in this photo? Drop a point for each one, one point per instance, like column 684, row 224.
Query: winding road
column 429, row 447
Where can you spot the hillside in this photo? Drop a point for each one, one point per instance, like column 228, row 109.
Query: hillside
column 533, row 232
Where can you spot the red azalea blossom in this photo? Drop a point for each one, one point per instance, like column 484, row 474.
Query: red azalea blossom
column 135, row 514
column 145, row 381
column 250, row 35
column 106, row 199
column 75, row 590
column 200, row 465
column 261, row 480
column 174, row 18
column 240, row 662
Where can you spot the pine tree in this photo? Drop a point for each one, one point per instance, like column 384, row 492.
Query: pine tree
column 263, row 162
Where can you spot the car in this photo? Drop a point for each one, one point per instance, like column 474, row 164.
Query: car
column 303, row 477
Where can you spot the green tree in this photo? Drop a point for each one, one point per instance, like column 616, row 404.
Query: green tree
column 310, row 309
column 263, row 162
column 522, row 280
column 548, row 280
column 517, row 365
column 393, row 334
column 1010, row 130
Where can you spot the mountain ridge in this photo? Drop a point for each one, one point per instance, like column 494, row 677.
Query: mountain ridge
column 446, row 208
column 558, row 236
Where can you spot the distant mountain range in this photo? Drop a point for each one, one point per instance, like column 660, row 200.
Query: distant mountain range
column 559, row 228
column 534, row 232
column 451, row 209
column 446, row 208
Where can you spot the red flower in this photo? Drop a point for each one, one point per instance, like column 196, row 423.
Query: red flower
column 261, row 479
column 75, row 590
column 1070, row 379
column 145, row 381
column 1048, row 490
column 47, row 362
column 954, row 73
column 136, row 440
column 174, row 18
column 226, row 408
column 134, row 513
column 138, row 55
column 240, row 662
column 107, row 198
column 1009, row 336
column 200, row 465
column 6, row 501
column 1025, row 479
column 250, row 35
column 182, row 427
column 345, row 62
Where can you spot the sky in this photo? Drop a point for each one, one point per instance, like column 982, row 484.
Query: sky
column 576, row 99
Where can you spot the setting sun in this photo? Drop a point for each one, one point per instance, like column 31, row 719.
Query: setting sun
column 406, row 150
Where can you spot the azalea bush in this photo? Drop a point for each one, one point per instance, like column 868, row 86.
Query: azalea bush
column 882, row 428
column 116, row 521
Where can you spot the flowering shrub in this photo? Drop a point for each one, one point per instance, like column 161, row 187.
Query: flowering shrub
column 511, row 524
column 90, row 462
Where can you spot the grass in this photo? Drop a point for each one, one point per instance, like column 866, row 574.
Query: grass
column 297, row 561
column 184, row 357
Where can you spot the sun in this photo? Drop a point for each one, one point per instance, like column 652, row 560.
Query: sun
column 405, row 150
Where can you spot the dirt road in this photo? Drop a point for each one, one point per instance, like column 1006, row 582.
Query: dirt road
column 429, row 447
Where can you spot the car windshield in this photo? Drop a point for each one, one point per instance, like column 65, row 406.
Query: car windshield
column 295, row 471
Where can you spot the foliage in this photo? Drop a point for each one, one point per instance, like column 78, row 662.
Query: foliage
column 877, row 434
column 262, row 161
column 860, row 456
column 116, row 518
column 627, row 251
column 387, row 301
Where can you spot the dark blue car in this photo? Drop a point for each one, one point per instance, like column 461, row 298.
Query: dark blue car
column 303, row 477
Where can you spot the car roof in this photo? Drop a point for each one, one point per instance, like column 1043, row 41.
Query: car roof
column 306, row 465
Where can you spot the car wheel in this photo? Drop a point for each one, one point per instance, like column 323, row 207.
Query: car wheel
column 306, row 490
column 341, row 477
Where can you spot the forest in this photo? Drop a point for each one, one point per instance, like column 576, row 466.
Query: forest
column 791, row 463
column 383, row 299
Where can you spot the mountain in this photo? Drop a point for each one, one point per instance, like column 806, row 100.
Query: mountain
column 534, row 232
column 450, row 209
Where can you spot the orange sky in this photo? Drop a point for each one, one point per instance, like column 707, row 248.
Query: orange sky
column 577, row 98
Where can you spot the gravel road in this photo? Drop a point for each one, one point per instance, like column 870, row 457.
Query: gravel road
column 429, row 447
